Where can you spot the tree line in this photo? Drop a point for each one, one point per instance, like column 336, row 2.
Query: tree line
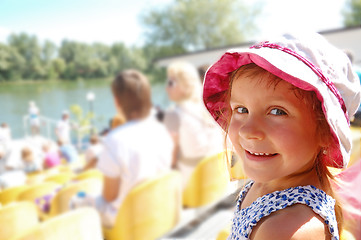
column 23, row 57
column 178, row 27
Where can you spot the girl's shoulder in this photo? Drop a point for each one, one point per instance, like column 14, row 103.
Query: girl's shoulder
column 308, row 195
column 295, row 222
column 295, row 211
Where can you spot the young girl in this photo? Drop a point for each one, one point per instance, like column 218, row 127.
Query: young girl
column 285, row 105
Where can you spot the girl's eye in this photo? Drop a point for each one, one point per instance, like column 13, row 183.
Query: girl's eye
column 277, row 111
column 241, row 110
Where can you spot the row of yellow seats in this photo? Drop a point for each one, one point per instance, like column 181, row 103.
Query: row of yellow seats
column 60, row 174
column 59, row 203
column 47, row 185
column 153, row 208
column 150, row 210
column 20, row 222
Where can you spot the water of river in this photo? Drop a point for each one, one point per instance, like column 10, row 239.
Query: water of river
column 55, row 96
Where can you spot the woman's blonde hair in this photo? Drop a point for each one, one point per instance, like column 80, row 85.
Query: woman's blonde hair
column 187, row 77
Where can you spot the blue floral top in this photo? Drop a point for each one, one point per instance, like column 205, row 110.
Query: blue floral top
column 246, row 219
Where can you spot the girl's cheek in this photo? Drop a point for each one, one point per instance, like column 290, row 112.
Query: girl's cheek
column 233, row 131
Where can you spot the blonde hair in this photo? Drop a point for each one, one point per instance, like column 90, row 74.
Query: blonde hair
column 309, row 97
column 187, row 77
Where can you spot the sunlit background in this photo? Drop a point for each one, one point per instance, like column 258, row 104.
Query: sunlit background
column 63, row 54
column 125, row 24
column 112, row 21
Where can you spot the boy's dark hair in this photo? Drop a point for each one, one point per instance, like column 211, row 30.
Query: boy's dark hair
column 131, row 90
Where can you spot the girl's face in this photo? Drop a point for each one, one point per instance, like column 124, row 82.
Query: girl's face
column 272, row 130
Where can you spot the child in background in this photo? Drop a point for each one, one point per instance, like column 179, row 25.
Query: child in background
column 51, row 156
column 68, row 151
column 30, row 163
column 285, row 105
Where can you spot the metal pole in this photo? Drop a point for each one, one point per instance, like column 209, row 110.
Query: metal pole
column 92, row 116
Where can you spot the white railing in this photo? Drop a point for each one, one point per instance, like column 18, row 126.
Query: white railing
column 47, row 129
column 46, row 124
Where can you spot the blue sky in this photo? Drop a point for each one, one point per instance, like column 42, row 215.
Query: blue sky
column 110, row 21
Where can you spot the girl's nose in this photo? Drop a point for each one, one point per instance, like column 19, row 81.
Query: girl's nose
column 252, row 129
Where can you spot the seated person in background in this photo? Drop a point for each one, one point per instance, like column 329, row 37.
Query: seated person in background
column 67, row 151
column 29, row 163
column 139, row 149
column 51, row 156
column 194, row 133
column 92, row 153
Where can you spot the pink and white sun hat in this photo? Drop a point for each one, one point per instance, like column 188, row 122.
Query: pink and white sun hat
column 308, row 61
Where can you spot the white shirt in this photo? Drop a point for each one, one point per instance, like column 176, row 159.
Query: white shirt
column 198, row 134
column 135, row 151
column 93, row 151
column 5, row 134
column 33, row 114
column 63, row 130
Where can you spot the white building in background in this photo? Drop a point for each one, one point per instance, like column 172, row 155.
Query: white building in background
column 344, row 38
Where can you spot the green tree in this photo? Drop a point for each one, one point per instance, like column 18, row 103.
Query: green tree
column 193, row 25
column 28, row 47
column 48, row 53
column 352, row 13
column 77, row 57
column 123, row 57
column 11, row 63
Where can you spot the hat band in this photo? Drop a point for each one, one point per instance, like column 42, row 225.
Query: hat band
column 314, row 68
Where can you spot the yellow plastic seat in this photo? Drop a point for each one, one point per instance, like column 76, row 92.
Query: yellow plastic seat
column 38, row 190
column 223, row 234
column 208, row 182
column 35, row 178
column 60, row 203
column 11, row 194
column 64, row 168
column 150, row 210
column 236, row 168
column 80, row 224
column 36, row 194
column 90, row 173
column 60, row 178
column 16, row 218
column 356, row 145
column 347, row 235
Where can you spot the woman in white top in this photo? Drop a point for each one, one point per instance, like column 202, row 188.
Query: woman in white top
column 193, row 131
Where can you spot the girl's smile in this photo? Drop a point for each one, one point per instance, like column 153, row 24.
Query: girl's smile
column 272, row 129
column 259, row 156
